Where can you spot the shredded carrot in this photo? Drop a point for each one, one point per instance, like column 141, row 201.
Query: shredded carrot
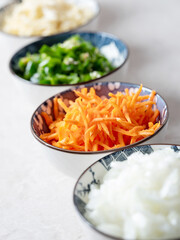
column 56, row 108
column 93, row 124
column 47, row 118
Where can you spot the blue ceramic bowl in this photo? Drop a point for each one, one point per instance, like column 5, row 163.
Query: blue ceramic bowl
column 113, row 48
column 93, row 176
column 90, row 4
column 38, row 126
column 84, row 159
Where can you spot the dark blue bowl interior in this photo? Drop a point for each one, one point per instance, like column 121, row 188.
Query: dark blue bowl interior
column 97, row 39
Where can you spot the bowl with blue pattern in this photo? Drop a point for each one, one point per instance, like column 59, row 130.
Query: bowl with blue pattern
column 115, row 51
column 95, row 177
column 73, row 162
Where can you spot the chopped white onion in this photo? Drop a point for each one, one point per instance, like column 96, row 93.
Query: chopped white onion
column 139, row 198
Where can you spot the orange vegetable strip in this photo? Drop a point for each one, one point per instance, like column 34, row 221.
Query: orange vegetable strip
column 81, row 110
column 95, row 134
column 145, row 97
column 124, row 132
column 133, row 140
column 47, row 118
column 84, row 90
column 147, row 132
column 110, row 119
column 63, row 105
column 99, row 127
column 93, row 95
column 105, row 146
column 101, row 104
column 153, row 93
column 155, row 115
column 139, row 105
column 137, row 128
column 52, row 136
column 72, row 145
column 90, row 130
column 55, row 123
column 95, row 147
column 87, row 137
column 127, row 91
column 125, row 111
column 45, row 135
column 151, row 98
column 105, row 128
column 150, row 124
column 136, row 95
column 116, row 110
column 115, row 120
column 82, row 95
column 112, row 137
column 73, row 122
column 155, row 126
column 56, row 108
column 120, row 140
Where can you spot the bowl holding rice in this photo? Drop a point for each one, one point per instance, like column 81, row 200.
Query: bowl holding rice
column 41, row 18
column 132, row 194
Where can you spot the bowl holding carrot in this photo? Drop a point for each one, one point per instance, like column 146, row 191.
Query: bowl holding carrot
column 80, row 125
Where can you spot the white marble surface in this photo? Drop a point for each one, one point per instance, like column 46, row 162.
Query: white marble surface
column 35, row 198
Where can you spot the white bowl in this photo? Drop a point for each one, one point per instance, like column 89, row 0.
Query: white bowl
column 74, row 162
column 91, row 23
column 93, row 176
column 107, row 43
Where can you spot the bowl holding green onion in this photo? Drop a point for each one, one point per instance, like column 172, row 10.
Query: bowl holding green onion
column 68, row 59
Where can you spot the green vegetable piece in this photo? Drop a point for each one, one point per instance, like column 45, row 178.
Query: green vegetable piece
column 50, row 51
column 73, row 61
column 64, row 79
column 49, row 66
column 30, row 69
column 85, row 77
column 22, row 63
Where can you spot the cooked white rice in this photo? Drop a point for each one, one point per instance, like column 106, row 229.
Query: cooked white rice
column 44, row 17
column 139, row 198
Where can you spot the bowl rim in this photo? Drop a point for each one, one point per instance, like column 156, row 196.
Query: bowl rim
column 109, row 35
column 6, row 6
column 88, row 223
column 135, row 85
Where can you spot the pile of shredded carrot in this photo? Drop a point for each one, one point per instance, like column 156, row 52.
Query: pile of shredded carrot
column 93, row 124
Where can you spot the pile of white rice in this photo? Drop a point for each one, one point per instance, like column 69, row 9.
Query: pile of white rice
column 45, row 17
column 139, row 198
